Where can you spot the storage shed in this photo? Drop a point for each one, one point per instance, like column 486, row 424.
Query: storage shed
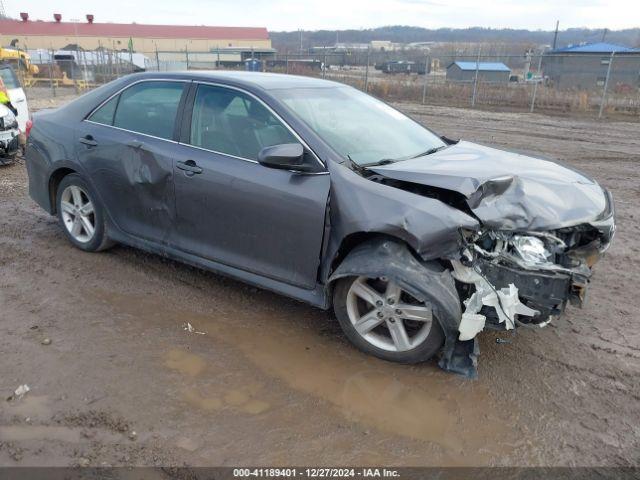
column 488, row 72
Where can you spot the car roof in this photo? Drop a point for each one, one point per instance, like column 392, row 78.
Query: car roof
column 265, row 81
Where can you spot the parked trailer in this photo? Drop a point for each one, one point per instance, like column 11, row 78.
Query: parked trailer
column 402, row 66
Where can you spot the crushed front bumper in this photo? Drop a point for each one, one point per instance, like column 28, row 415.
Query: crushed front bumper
column 501, row 291
column 546, row 292
column 9, row 145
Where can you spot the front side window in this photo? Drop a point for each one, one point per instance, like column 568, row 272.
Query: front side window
column 357, row 125
column 234, row 123
column 149, row 108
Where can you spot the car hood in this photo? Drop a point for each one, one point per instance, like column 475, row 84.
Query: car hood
column 506, row 190
column 4, row 111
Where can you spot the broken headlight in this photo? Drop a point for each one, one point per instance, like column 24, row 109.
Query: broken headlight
column 531, row 250
column 8, row 120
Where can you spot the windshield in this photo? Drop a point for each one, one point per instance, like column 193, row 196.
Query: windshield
column 358, row 126
column 9, row 78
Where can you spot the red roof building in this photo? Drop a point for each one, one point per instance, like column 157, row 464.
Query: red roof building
column 89, row 35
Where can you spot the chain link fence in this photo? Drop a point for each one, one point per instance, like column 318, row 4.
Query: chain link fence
column 599, row 85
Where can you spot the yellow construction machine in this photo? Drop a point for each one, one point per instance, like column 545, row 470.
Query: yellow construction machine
column 19, row 60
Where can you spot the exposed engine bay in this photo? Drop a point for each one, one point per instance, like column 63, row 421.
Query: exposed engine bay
column 509, row 279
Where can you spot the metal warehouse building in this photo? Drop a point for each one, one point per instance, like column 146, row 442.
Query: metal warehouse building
column 233, row 43
column 585, row 66
column 488, row 72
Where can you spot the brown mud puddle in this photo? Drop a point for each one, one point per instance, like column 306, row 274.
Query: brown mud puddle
column 418, row 402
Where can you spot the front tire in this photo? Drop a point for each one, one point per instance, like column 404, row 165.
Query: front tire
column 383, row 320
column 80, row 214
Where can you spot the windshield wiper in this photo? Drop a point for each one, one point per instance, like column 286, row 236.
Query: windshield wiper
column 429, row 152
column 353, row 165
column 384, row 161
column 387, row 161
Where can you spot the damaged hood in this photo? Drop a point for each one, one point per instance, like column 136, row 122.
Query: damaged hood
column 506, row 190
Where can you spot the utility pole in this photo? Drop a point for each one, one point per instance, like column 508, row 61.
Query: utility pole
column 366, row 73
column 51, row 63
column 157, row 57
column 130, row 47
column 99, row 59
column 535, row 86
column 116, row 59
column 77, row 59
column 426, row 77
column 604, row 33
column 475, row 80
column 555, row 35
column 324, row 62
column 606, row 84
column 527, row 63
column 300, row 31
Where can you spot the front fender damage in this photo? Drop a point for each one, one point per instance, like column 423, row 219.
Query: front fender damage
column 427, row 282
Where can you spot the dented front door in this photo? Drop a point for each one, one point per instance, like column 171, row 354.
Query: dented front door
column 133, row 175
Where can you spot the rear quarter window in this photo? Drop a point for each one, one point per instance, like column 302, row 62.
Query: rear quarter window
column 105, row 113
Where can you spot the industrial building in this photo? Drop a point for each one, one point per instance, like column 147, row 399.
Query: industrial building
column 488, row 72
column 228, row 43
column 585, row 66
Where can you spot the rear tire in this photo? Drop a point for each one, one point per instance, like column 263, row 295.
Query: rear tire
column 394, row 337
column 80, row 215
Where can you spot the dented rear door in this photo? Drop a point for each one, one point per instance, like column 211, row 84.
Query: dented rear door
column 130, row 162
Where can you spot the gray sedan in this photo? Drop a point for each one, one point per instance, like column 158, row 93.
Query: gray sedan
column 320, row 192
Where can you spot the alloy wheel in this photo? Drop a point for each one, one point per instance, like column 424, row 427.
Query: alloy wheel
column 78, row 213
column 387, row 316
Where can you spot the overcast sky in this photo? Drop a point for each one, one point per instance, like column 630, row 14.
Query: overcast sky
column 342, row 14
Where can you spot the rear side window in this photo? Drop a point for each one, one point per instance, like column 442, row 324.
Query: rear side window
column 9, row 78
column 149, row 108
column 231, row 122
column 105, row 113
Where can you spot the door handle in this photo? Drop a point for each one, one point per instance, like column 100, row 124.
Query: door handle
column 88, row 141
column 190, row 168
column 135, row 144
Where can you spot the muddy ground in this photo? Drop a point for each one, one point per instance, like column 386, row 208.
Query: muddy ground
column 274, row 382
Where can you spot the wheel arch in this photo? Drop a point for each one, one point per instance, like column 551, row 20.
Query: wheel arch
column 54, row 182
column 426, row 281
column 355, row 240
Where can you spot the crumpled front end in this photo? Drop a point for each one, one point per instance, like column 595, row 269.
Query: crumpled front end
column 518, row 234
column 9, row 135
column 526, row 278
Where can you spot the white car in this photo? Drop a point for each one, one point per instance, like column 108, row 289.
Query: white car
column 16, row 95
column 12, row 138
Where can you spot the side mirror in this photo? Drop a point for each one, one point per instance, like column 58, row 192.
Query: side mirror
column 287, row 156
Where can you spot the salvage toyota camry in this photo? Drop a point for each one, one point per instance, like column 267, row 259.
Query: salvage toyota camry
column 318, row 191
